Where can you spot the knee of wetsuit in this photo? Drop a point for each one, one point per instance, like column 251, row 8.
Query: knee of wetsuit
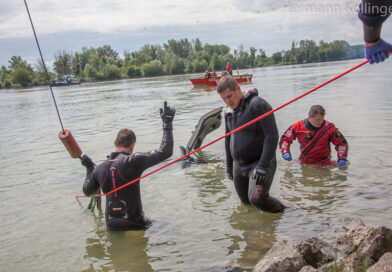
column 265, row 202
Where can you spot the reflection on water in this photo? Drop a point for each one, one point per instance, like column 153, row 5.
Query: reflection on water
column 116, row 251
column 313, row 188
column 199, row 222
column 257, row 234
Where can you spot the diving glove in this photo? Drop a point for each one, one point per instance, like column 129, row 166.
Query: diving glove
column 167, row 115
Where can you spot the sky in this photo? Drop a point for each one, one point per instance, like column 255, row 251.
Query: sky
column 127, row 25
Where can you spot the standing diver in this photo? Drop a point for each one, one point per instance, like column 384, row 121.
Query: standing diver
column 250, row 152
column 124, row 210
column 314, row 135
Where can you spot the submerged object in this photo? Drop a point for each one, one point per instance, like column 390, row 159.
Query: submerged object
column 207, row 123
column 70, row 143
column 213, row 80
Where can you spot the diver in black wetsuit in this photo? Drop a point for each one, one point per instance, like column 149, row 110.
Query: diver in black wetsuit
column 250, row 152
column 124, row 210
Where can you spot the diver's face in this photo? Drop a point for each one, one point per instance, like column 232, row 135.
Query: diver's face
column 316, row 120
column 232, row 99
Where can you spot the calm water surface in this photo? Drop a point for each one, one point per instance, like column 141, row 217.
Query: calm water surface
column 200, row 224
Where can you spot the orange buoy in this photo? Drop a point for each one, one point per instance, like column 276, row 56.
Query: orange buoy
column 70, row 143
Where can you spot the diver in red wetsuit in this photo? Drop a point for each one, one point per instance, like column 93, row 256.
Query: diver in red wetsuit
column 314, row 135
column 229, row 69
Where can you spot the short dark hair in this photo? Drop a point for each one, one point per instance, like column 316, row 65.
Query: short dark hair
column 226, row 82
column 315, row 110
column 125, row 138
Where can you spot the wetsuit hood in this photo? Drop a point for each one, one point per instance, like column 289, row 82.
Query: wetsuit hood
column 247, row 96
column 113, row 155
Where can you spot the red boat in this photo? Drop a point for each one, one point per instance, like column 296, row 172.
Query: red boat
column 213, row 80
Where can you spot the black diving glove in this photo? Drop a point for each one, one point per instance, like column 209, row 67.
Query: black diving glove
column 229, row 172
column 229, row 176
column 260, row 175
column 87, row 161
column 167, row 115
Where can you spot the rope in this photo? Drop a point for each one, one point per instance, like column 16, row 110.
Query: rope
column 43, row 63
column 237, row 129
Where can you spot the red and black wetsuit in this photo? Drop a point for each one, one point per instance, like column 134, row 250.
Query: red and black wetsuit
column 124, row 210
column 252, row 146
column 314, row 142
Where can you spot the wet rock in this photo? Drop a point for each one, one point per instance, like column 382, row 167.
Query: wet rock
column 308, row 268
column 378, row 242
column 355, row 235
column 352, row 223
column 384, row 264
column 281, row 257
column 314, row 251
column 364, row 247
column 287, row 258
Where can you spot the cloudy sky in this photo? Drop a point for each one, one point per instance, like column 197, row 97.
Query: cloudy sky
column 129, row 24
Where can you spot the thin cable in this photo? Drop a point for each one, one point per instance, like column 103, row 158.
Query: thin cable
column 236, row 130
column 43, row 63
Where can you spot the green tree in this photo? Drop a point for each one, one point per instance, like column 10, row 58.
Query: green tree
column 21, row 76
column 111, row 71
column 217, row 62
column 152, row 68
column 197, row 45
column 252, row 57
column 198, row 66
column 277, row 57
column 133, row 71
column 182, row 48
column 63, row 63
column 17, row 62
column 3, row 73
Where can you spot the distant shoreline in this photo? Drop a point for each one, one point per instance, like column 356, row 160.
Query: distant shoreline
column 16, row 87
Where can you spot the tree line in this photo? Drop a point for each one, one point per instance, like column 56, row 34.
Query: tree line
column 174, row 57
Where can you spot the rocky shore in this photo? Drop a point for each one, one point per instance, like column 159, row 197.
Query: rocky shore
column 361, row 248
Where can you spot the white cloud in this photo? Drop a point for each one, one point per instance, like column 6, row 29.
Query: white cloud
column 109, row 16
column 129, row 24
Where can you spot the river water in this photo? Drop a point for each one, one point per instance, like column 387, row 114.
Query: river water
column 199, row 222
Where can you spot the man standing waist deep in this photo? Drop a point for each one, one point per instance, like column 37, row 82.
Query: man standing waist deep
column 124, row 210
column 250, row 152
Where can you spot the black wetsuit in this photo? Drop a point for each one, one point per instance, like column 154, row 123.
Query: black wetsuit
column 373, row 13
column 252, row 146
column 124, row 210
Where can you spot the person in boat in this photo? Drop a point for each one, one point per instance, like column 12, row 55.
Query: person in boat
column 229, row 69
column 207, row 74
column 124, row 210
column 373, row 14
column 224, row 73
column 250, row 152
column 214, row 73
column 314, row 135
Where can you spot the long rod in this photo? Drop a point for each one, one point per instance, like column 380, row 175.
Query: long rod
column 43, row 63
column 237, row 129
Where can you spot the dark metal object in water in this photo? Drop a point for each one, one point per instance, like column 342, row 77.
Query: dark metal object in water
column 207, row 123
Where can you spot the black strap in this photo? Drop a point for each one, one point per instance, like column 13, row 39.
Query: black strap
column 310, row 145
